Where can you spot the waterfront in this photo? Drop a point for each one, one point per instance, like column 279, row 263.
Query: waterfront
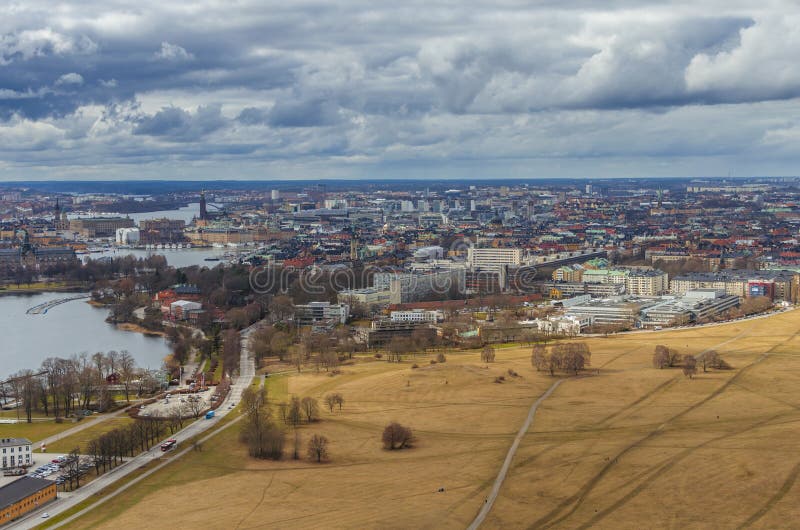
column 185, row 257
column 66, row 329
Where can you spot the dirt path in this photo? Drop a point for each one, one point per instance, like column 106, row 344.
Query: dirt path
column 501, row 476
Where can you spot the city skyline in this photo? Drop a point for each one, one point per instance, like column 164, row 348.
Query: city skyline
column 375, row 91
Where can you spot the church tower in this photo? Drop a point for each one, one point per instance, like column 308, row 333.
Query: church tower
column 203, row 211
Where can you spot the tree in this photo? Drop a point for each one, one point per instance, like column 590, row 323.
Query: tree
column 331, row 400
column 539, row 357
column 664, row 357
column 294, row 413
column 318, row 448
column 689, row 366
column 396, row 436
column 487, row 354
column 263, row 438
column 310, row 408
column 127, row 367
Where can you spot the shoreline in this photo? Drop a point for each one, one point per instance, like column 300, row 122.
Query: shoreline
column 4, row 291
column 136, row 328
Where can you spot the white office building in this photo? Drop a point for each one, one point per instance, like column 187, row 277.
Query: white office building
column 314, row 312
column 416, row 315
column 15, row 452
column 494, row 258
column 127, row 236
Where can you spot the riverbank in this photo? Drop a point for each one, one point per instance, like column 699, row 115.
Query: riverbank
column 136, row 328
column 42, row 287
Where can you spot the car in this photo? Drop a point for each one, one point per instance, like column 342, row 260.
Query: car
column 45, row 515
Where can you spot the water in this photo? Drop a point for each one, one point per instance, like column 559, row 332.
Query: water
column 185, row 257
column 175, row 257
column 187, row 213
column 66, row 329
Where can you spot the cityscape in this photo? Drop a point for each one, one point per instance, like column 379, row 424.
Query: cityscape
column 422, row 265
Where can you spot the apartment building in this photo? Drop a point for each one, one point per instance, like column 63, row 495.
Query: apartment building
column 494, row 258
column 646, row 282
column 315, row 312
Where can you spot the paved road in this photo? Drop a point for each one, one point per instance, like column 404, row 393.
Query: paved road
column 68, row 500
column 501, row 476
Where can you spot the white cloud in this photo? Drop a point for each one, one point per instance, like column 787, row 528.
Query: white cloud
column 762, row 66
column 71, row 78
column 173, row 52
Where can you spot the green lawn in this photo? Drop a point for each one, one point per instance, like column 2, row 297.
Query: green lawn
column 34, row 431
column 81, row 438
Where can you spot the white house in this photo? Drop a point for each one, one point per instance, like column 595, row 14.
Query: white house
column 15, row 452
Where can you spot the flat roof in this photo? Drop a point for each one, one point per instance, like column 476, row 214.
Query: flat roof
column 21, row 489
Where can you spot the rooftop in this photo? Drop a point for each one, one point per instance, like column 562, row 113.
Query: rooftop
column 21, row 489
column 8, row 442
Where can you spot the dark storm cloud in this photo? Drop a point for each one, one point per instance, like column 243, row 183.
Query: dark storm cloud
column 373, row 83
column 177, row 124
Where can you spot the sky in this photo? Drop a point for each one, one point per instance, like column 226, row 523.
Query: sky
column 240, row 89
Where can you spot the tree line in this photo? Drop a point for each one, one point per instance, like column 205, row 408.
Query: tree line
column 665, row 357
column 566, row 357
column 63, row 386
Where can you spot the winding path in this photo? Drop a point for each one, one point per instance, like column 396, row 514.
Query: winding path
column 501, row 476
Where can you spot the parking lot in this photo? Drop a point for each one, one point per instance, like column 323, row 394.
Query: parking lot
column 189, row 405
column 45, row 467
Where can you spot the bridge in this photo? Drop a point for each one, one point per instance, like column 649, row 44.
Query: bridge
column 43, row 308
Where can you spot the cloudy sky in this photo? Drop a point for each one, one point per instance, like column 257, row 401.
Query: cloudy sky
column 254, row 89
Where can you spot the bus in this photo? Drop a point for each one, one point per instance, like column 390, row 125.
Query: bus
column 169, row 444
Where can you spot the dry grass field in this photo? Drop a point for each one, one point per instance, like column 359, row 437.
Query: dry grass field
column 628, row 447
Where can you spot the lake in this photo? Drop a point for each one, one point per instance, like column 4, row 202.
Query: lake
column 72, row 327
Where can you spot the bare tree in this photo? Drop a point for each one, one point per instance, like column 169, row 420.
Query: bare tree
column 127, row 371
column 295, row 412
column 310, row 408
column 318, row 448
column 689, row 366
column 664, row 357
column 330, row 401
column 263, row 438
column 396, row 436
column 487, row 354
column 539, row 357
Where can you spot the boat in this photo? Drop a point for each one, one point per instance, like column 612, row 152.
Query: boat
column 211, row 258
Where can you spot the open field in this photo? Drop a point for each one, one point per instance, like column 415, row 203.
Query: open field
column 34, row 431
column 81, row 438
column 631, row 447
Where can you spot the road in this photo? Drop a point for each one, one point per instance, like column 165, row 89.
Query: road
column 66, row 501
column 501, row 476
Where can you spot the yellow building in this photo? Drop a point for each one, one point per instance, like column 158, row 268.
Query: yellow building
column 25, row 495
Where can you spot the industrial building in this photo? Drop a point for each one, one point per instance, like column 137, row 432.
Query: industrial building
column 694, row 305
column 25, row 495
